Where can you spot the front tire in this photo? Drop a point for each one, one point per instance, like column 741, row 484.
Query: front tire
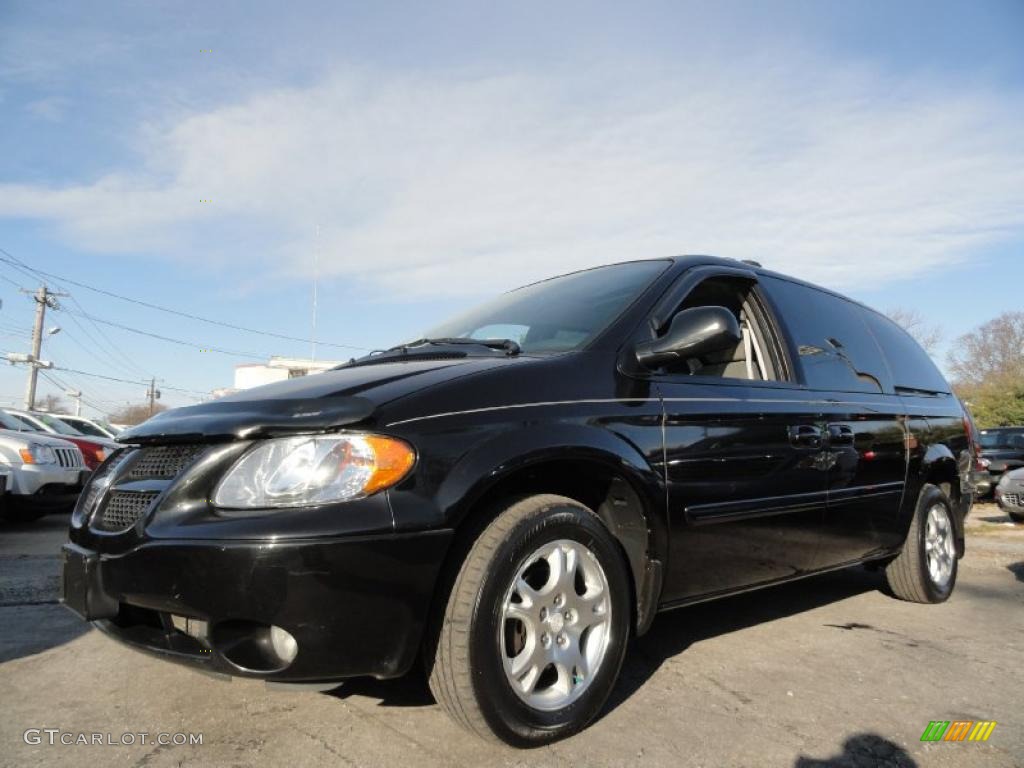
column 535, row 628
column 1017, row 517
column 925, row 570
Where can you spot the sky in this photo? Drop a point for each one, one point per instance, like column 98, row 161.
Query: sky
column 414, row 158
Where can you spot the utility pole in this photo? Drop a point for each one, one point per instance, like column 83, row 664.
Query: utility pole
column 153, row 394
column 76, row 395
column 44, row 298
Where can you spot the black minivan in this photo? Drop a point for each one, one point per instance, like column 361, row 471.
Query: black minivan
column 510, row 497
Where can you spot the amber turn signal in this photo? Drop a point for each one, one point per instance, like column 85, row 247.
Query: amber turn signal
column 392, row 459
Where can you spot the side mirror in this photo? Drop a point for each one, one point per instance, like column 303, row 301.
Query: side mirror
column 693, row 333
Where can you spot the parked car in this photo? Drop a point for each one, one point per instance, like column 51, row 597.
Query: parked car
column 1002, row 449
column 978, row 477
column 89, row 427
column 41, row 473
column 1009, row 494
column 94, row 449
column 514, row 495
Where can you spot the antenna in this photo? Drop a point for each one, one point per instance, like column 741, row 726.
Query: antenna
column 316, row 275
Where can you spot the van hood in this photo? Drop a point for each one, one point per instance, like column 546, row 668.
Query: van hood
column 315, row 403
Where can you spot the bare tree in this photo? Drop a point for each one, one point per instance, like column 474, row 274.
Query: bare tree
column 927, row 335
column 992, row 353
column 134, row 414
column 51, row 404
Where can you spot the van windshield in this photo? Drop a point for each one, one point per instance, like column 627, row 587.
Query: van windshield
column 556, row 315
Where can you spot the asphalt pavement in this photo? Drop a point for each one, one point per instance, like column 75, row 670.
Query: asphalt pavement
column 829, row 671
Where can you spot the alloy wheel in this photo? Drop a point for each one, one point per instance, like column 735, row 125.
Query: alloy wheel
column 556, row 622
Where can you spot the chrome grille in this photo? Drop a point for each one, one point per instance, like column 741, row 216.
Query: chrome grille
column 124, row 508
column 69, row 458
column 163, row 462
column 1012, row 499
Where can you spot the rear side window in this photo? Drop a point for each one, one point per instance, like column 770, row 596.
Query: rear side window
column 911, row 367
column 830, row 337
column 1000, row 439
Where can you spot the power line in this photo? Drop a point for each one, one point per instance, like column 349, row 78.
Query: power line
column 128, row 381
column 12, row 282
column 182, row 342
column 100, row 349
column 64, row 387
column 15, row 262
column 104, row 336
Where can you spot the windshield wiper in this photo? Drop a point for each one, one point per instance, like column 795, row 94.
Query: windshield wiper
column 511, row 347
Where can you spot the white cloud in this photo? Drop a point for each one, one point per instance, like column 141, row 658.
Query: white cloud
column 441, row 184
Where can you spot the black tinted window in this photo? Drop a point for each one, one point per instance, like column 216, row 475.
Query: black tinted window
column 910, row 365
column 832, row 342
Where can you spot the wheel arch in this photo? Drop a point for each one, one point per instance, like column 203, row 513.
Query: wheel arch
column 940, row 468
column 590, row 465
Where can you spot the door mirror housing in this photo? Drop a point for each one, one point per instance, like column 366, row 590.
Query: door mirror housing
column 692, row 333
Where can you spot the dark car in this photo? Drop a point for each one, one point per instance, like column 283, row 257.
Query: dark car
column 514, row 495
column 1002, row 449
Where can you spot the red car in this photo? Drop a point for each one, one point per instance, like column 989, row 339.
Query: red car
column 94, row 449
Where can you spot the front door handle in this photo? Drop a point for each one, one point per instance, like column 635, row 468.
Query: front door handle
column 840, row 434
column 805, row 436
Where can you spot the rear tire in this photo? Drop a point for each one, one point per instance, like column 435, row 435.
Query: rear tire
column 925, row 570
column 532, row 637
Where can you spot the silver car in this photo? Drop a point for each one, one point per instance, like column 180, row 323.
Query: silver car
column 1010, row 494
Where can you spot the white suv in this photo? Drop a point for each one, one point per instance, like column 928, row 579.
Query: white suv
column 38, row 472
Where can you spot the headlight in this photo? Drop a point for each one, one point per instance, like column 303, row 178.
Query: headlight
column 302, row 471
column 983, row 463
column 38, row 454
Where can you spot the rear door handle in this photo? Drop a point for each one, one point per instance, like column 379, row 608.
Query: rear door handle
column 805, row 436
column 840, row 434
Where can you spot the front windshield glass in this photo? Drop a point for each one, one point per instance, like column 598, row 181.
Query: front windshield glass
column 556, row 315
column 996, row 439
column 86, row 428
column 56, row 425
column 27, row 424
column 9, row 422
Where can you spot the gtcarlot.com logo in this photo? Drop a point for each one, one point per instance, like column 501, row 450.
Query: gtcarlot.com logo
column 55, row 736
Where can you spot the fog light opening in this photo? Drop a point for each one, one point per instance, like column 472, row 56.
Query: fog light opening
column 284, row 644
column 254, row 647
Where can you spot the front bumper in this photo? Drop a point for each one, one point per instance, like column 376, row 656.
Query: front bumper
column 355, row 605
column 46, row 480
column 1010, row 499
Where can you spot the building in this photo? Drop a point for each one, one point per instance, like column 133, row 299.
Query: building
column 248, row 375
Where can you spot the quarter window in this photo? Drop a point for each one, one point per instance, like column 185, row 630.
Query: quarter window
column 912, row 368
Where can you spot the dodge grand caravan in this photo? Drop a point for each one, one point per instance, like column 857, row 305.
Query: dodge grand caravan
column 507, row 499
